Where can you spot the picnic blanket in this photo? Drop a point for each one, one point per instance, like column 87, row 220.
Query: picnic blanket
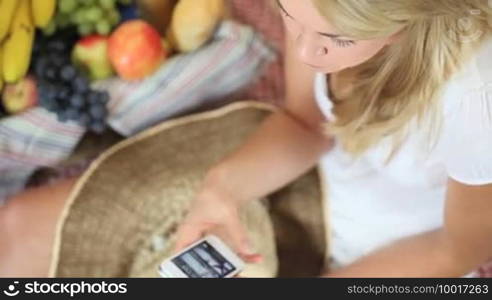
column 228, row 63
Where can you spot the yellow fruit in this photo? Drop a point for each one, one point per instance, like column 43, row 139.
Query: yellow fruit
column 1, row 69
column 17, row 47
column 7, row 11
column 157, row 13
column 42, row 12
column 194, row 22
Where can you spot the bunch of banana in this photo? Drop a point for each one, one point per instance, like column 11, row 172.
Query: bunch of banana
column 18, row 19
column 1, row 68
column 17, row 47
column 7, row 12
column 43, row 11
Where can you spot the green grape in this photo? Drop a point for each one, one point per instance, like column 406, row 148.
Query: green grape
column 85, row 29
column 107, row 4
column 103, row 27
column 62, row 20
column 125, row 2
column 88, row 3
column 114, row 17
column 78, row 17
column 67, row 6
column 94, row 14
column 49, row 29
column 85, row 14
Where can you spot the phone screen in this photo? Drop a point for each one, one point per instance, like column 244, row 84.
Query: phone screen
column 204, row 261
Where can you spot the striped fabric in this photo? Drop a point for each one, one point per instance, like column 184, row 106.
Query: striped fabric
column 31, row 140
column 227, row 64
column 264, row 17
column 233, row 59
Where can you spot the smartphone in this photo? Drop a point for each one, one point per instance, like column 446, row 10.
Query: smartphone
column 207, row 258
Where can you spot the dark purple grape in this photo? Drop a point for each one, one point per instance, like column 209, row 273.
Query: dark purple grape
column 64, row 92
column 98, row 111
column 62, row 116
column 53, row 106
column 50, row 73
column 68, row 73
column 77, row 100
column 93, row 97
column 47, row 103
column 104, row 97
column 57, row 63
column 84, row 119
column 47, row 90
column 42, row 90
column 81, row 84
column 73, row 114
column 57, row 46
column 40, row 66
column 98, row 126
column 37, row 47
column 58, row 60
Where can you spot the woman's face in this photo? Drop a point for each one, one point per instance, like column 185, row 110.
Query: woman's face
column 319, row 45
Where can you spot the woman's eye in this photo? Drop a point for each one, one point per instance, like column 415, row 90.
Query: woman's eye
column 343, row 43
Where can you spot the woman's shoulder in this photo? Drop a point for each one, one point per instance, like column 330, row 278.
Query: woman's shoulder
column 467, row 100
column 474, row 81
column 468, row 121
column 482, row 63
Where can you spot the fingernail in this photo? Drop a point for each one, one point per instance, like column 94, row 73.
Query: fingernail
column 254, row 259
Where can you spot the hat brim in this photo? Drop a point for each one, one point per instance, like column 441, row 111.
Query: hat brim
column 122, row 215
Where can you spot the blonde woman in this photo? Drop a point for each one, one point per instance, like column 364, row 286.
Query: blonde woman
column 393, row 99
column 401, row 121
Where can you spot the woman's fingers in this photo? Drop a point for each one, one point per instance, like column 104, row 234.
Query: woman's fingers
column 189, row 233
column 240, row 241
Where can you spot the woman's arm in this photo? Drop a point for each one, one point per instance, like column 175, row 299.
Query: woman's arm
column 459, row 247
column 286, row 145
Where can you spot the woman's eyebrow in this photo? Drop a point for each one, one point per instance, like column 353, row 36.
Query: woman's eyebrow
column 330, row 35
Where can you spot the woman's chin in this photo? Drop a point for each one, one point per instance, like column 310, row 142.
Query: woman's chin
column 331, row 70
column 328, row 70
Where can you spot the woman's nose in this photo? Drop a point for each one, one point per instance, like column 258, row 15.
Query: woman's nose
column 308, row 49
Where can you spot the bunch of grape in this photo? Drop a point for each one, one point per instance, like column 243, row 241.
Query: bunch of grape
column 89, row 16
column 62, row 88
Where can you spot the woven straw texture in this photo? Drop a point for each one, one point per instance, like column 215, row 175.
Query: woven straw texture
column 121, row 218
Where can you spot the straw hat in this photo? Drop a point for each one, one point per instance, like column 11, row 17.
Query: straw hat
column 121, row 218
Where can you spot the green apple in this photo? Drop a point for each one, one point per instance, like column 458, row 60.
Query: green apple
column 90, row 54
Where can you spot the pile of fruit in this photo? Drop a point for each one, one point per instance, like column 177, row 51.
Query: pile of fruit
column 62, row 88
column 51, row 51
column 89, row 16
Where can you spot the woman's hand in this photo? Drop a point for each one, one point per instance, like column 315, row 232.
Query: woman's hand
column 213, row 212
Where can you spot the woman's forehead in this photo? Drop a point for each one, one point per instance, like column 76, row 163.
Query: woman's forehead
column 306, row 14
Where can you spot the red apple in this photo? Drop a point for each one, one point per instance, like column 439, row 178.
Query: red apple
column 20, row 96
column 135, row 50
column 91, row 54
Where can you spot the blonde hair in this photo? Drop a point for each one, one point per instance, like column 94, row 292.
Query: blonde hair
column 404, row 81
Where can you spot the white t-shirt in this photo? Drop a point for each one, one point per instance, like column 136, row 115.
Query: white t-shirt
column 371, row 204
